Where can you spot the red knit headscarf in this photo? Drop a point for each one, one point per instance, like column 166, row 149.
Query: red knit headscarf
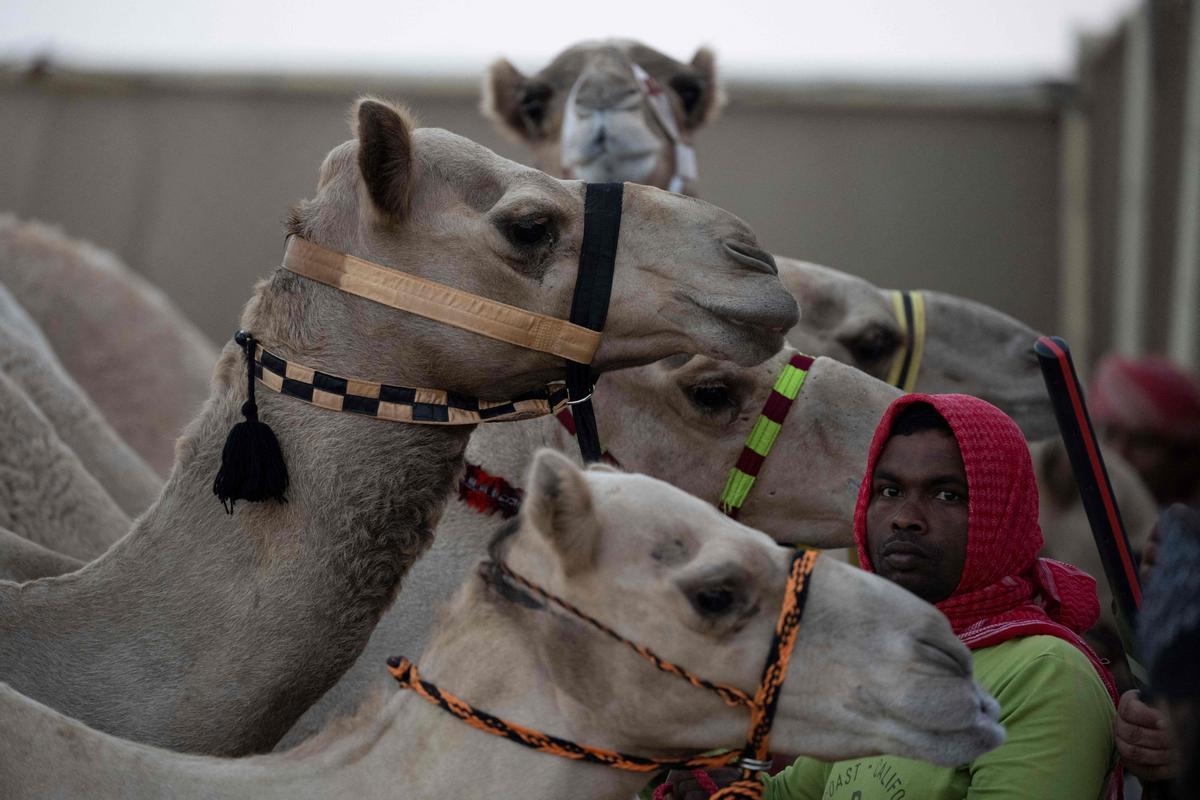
column 1005, row 591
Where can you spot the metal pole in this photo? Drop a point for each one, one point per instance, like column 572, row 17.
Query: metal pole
column 1135, row 168
column 1075, row 223
column 1183, row 340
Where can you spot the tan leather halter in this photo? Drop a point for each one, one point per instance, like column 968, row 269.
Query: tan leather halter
column 436, row 301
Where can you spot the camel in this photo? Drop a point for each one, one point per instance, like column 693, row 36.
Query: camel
column 47, row 497
column 874, row 668
column 23, row 560
column 208, row 631
column 29, row 361
column 968, row 347
column 144, row 365
column 604, row 111
column 682, row 420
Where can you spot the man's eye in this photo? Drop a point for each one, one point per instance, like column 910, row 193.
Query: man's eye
column 889, row 491
column 947, row 495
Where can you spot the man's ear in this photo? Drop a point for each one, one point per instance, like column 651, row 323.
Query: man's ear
column 385, row 156
column 516, row 103
column 698, row 90
column 558, row 504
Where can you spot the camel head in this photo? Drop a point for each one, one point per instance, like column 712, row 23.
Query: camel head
column 689, row 277
column 874, row 670
column 591, row 115
column 969, row 347
column 659, row 417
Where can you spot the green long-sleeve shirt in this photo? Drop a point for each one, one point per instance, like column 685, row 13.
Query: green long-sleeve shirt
column 1059, row 744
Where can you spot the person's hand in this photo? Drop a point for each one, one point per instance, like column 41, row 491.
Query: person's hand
column 685, row 786
column 1144, row 740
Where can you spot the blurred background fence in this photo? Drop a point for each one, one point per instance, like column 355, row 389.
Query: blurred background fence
column 1074, row 205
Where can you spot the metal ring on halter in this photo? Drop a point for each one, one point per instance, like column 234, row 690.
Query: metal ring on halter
column 754, row 764
column 583, row 399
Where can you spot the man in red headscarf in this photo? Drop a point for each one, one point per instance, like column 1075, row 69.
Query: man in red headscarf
column 948, row 509
column 1148, row 410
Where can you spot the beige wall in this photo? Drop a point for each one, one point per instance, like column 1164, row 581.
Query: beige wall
column 188, row 180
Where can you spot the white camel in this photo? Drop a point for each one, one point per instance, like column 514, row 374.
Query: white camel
column 680, row 420
column 211, row 632
column 609, row 111
column 135, row 354
column 874, row 669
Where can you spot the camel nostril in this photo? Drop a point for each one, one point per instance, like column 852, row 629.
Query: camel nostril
column 753, row 257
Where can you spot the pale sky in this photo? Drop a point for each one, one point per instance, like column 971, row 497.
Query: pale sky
column 801, row 39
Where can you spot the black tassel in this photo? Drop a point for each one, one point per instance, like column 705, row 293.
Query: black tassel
column 252, row 466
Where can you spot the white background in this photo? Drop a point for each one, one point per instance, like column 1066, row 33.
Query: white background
column 897, row 40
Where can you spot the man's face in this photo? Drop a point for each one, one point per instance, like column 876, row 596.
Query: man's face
column 917, row 517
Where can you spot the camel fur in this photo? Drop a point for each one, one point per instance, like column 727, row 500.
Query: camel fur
column 135, row 354
column 874, row 669
column 211, row 632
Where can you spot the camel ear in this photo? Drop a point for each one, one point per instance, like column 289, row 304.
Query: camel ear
column 698, row 90
column 516, row 103
column 558, row 503
column 385, row 156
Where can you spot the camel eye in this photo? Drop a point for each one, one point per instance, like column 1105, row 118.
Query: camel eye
column 529, row 232
column 873, row 344
column 712, row 398
column 533, row 104
column 689, row 91
column 713, row 601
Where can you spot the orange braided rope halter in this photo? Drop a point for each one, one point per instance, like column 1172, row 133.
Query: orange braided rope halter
column 752, row 759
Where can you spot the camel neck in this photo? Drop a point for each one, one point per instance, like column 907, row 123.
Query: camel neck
column 399, row 746
column 490, row 655
column 208, row 631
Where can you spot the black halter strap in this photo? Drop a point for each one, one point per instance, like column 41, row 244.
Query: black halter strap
column 589, row 308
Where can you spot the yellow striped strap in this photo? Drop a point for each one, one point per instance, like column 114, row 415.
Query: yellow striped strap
column 764, row 433
column 909, row 308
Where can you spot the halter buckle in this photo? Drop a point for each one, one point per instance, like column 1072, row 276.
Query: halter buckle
column 754, row 764
column 583, row 399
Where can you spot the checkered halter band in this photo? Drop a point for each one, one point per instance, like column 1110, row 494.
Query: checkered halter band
column 398, row 403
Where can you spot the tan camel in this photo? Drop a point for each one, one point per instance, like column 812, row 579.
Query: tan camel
column 28, row 360
column 970, row 347
column 22, row 560
column 681, row 420
column 136, row 355
column 47, row 497
column 874, row 669
column 684, row 420
column 609, row 111
column 211, row 632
